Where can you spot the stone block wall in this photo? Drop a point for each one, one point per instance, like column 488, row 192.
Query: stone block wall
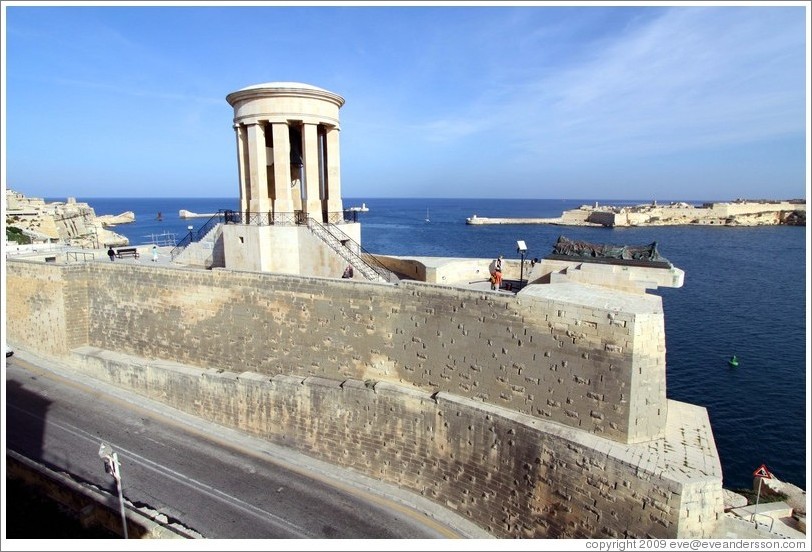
column 47, row 306
column 540, row 415
column 592, row 360
column 747, row 208
column 514, row 475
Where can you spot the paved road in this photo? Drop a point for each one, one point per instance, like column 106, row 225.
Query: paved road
column 209, row 479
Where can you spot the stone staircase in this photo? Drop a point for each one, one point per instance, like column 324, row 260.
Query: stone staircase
column 351, row 251
column 206, row 252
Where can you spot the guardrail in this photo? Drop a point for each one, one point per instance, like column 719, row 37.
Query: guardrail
column 344, row 245
column 74, row 255
column 351, row 251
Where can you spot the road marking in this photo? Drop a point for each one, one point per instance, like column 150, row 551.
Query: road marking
column 172, row 475
column 264, row 454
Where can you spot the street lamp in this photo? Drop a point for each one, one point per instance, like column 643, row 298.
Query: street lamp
column 113, row 467
column 521, row 248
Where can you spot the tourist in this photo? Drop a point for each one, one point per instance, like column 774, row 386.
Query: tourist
column 111, row 253
column 496, row 273
column 348, row 272
column 154, row 253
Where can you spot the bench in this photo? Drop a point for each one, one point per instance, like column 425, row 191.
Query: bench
column 127, row 252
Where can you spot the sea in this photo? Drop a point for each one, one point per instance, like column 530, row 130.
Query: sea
column 745, row 294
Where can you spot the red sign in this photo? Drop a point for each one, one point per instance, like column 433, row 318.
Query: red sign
column 762, row 471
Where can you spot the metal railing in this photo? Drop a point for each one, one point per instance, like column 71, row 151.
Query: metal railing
column 74, row 255
column 352, row 252
column 163, row 239
column 757, row 523
column 197, row 235
column 270, row 218
column 369, row 266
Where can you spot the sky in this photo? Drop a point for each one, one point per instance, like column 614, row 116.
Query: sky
column 695, row 101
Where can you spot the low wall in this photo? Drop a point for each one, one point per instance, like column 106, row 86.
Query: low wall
column 512, row 474
column 447, row 272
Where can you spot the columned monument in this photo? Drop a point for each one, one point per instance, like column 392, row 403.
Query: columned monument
column 287, row 150
column 291, row 215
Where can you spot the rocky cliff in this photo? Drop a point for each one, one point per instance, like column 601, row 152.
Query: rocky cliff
column 70, row 222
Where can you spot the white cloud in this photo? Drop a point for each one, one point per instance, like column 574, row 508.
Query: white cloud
column 692, row 78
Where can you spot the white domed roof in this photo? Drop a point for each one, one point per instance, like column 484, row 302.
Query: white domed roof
column 281, row 89
column 283, row 85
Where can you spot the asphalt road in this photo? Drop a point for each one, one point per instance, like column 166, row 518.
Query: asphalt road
column 216, row 484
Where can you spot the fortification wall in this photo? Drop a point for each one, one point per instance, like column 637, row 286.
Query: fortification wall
column 507, row 409
column 746, row 208
column 512, row 474
column 748, row 213
column 607, row 218
column 47, row 306
column 574, row 360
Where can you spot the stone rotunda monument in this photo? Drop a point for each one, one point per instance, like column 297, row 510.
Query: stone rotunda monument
column 291, row 217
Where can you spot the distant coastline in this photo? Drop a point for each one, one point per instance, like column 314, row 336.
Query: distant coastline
column 734, row 213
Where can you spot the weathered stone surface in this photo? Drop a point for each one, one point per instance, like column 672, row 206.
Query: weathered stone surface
column 514, row 475
column 538, row 415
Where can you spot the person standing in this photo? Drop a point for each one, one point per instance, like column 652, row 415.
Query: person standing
column 111, row 253
column 154, row 253
column 496, row 273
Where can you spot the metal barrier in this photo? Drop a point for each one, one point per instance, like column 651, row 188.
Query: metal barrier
column 74, row 255
column 351, row 251
column 756, row 522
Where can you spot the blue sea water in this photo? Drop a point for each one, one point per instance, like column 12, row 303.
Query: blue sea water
column 744, row 294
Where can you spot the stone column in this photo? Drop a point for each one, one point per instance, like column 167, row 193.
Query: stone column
column 311, row 172
column 281, row 173
column 245, row 190
column 333, row 188
column 260, row 202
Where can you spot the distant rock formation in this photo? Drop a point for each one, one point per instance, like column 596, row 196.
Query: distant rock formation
column 793, row 495
column 111, row 220
column 69, row 223
column 734, row 213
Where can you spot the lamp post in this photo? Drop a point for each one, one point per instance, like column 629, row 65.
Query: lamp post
column 521, row 248
column 113, row 467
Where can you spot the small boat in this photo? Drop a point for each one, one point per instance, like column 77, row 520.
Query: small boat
column 160, row 216
column 733, row 361
column 427, row 215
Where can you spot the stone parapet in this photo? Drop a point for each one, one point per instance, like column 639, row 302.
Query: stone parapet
column 565, row 353
column 634, row 279
column 515, row 475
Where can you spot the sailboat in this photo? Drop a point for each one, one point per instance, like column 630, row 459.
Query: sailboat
column 427, row 215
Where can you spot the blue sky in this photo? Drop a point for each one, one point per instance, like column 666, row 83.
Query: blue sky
column 699, row 102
